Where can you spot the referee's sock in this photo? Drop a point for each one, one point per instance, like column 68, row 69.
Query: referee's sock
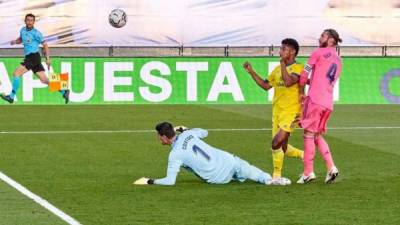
column 15, row 85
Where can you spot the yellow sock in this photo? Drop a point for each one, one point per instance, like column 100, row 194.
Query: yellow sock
column 294, row 152
column 277, row 160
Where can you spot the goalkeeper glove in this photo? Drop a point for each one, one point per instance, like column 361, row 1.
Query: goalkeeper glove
column 144, row 181
column 180, row 129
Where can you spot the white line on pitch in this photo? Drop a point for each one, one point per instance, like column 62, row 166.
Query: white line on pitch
column 150, row 131
column 39, row 200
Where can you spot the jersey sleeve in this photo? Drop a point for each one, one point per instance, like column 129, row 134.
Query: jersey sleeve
column 309, row 67
column 297, row 69
column 200, row 133
column 174, row 165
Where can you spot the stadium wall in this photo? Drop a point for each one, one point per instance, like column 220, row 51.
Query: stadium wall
column 120, row 75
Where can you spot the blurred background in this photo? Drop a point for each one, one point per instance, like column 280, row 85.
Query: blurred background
column 205, row 22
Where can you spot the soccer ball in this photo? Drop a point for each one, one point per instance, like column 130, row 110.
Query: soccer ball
column 117, row 18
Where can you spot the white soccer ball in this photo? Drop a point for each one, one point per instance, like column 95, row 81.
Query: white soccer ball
column 117, row 18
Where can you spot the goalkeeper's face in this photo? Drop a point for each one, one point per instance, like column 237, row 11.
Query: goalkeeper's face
column 164, row 139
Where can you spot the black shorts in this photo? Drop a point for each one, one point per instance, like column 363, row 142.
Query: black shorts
column 33, row 62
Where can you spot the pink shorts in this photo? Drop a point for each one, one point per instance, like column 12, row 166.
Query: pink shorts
column 315, row 117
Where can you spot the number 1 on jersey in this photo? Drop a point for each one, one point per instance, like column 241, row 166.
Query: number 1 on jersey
column 196, row 150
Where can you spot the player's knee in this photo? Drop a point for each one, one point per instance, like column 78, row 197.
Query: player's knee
column 44, row 80
column 276, row 144
column 316, row 138
column 309, row 133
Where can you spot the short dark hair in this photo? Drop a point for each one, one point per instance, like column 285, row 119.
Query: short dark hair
column 30, row 15
column 292, row 43
column 166, row 129
column 334, row 34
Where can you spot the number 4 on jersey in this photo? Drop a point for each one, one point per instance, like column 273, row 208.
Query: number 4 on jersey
column 331, row 73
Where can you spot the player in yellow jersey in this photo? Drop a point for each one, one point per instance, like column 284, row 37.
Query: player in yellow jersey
column 286, row 106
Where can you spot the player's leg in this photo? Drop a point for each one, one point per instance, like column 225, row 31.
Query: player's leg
column 22, row 69
column 292, row 151
column 278, row 152
column 285, row 121
column 285, row 144
column 247, row 171
column 310, row 120
column 280, row 139
column 308, row 161
column 321, row 143
column 324, row 150
column 42, row 76
column 309, row 154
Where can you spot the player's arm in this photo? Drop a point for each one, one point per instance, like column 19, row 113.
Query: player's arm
column 46, row 53
column 172, row 172
column 264, row 84
column 174, row 166
column 309, row 67
column 301, row 93
column 288, row 79
column 180, row 129
column 16, row 41
column 200, row 133
column 46, row 49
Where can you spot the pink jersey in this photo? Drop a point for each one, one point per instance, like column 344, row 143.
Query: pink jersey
column 325, row 65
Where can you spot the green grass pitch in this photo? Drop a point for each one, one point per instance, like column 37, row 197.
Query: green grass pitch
column 89, row 175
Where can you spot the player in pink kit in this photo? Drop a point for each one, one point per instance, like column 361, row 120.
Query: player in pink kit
column 324, row 66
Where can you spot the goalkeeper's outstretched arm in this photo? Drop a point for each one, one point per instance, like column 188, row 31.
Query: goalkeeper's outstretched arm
column 180, row 129
column 170, row 179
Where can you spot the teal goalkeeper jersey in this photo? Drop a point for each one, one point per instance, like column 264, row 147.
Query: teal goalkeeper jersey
column 190, row 152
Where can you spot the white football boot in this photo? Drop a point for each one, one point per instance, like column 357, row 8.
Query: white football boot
column 332, row 174
column 306, row 179
column 279, row 181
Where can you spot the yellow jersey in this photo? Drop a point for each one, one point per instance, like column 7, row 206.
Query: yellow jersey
column 285, row 98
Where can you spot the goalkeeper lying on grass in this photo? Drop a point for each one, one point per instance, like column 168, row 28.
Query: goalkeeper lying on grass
column 210, row 164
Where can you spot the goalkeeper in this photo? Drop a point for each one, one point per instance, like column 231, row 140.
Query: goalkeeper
column 210, row 164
